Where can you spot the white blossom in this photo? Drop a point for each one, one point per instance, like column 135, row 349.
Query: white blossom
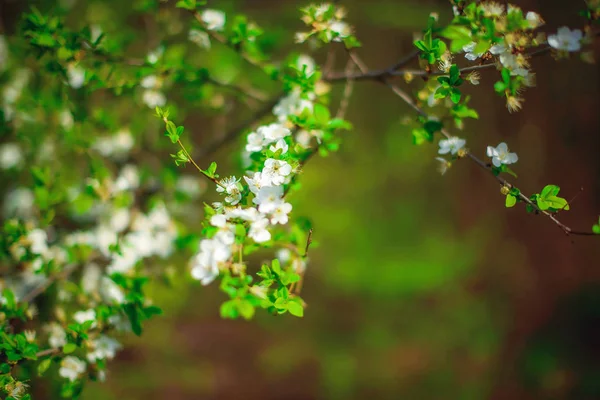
column 83, row 316
column 200, row 38
column 443, row 165
column 280, row 214
column 231, row 186
column 38, row 239
column 150, row 82
column 451, row 145
column 305, row 61
column 267, row 198
column 154, row 98
column 273, row 132
column 76, row 76
column 110, row 292
column 155, row 55
column 213, row 19
column 566, row 39
column 292, row 104
column 19, row 202
column 276, row 171
column 255, row 142
column 128, row 179
column 103, row 348
column 71, row 368
column 11, row 155
column 258, row 230
column 116, row 146
column 247, row 214
column 280, row 145
column 534, row 19
column 500, row 155
column 470, row 55
column 341, row 29
column 66, row 119
column 256, row 181
column 205, row 265
column 57, row 336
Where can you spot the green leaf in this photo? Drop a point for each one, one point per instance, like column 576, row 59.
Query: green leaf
column 455, row 96
column 43, row 366
column 276, row 267
column 245, row 309
column 322, row 114
column 228, row 310
column 432, row 126
column 510, row 200
column 550, row 190
column 295, row 308
column 212, row 169
column 69, row 348
column 186, row 4
column 420, row 136
column 557, row 203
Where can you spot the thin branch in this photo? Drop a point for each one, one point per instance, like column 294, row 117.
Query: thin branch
column 308, row 242
column 396, row 71
column 237, row 130
column 47, row 352
column 189, row 157
column 408, row 100
column 248, row 92
column 35, row 292
column 223, row 40
column 347, row 93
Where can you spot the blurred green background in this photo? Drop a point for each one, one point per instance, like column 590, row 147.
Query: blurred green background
column 420, row 286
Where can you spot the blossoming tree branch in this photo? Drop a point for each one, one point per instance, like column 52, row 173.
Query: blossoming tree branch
column 79, row 245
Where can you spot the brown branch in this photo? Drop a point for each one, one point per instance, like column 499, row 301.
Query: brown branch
column 236, row 131
column 47, row 283
column 223, row 40
column 408, row 100
column 47, row 352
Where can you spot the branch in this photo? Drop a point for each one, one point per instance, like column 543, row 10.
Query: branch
column 234, row 132
column 408, row 100
column 47, row 352
column 35, row 292
column 223, row 40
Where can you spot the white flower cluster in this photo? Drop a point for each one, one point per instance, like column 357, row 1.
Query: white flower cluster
column 514, row 61
column 266, row 185
column 566, row 39
column 322, row 20
column 12, row 92
column 116, row 146
column 214, row 20
column 453, row 145
column 152, row 96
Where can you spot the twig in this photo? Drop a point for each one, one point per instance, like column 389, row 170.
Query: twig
column 235, row 132
column 248, row 92
column 189, row 157
column 394, row 70
column 47, row 352
column 308, row 242
column 46, row 284
column 347, row 93
column 223, row 40
column 407, row 99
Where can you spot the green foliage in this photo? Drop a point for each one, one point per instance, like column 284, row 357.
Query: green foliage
column 431, row 49
column 548, row 199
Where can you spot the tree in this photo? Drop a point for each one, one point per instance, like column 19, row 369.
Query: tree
column 96, row 204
